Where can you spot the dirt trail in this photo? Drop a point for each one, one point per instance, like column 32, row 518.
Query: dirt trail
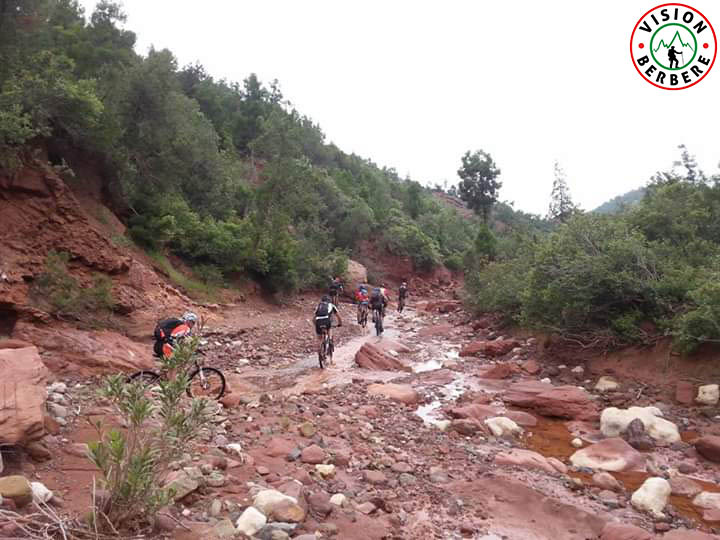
column 410, row 466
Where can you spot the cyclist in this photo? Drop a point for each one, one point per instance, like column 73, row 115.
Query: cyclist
column 168, row 331
column 378, row 301
column 335, row 286
column 363, row 300
column 402, row 295
column 323, row 313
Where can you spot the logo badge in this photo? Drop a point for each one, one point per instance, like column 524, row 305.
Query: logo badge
column 673, row 46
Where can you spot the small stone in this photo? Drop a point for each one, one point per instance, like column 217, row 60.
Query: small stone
column 57, row 387
column 40, row 493
column 215, row 507
column 307, row 429
column 58, row 411
column 607, row 384
column 326, row 471
column 708, row 394
column 338, row 499
column 16, row 488
column 313, row 454
column 374, row 477
column 577, row 443
column 251, row 521
column 224, row 529
column 366, row 508
column 262, row 471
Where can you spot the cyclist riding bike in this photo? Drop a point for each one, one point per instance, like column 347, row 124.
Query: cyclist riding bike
column 170, row 331
column 402, row 295
column 363, row 300
column 335, row 286
column 323, row 313
column 378, row 301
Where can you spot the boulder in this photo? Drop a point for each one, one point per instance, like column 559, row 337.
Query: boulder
column 498, row 347
column 652, row 497
column 497, row 371
column 477, row 412
column 313, row 455
column 182, row 484
column 568, row 402
column 522, row 418
column 621, row 531
column 708, row 394
column 606, row 384
column 85, row 352
column 404, row 393
column 523, row 394
column 636, row 436
column 524, row 458
column 685, row 487
column 355, row 274
column 709, row 447
column 251, row 521
column 372, row 356
column 606, row 480
column 609, row 455
column 707, row 500
column 23, row 394
column 685, row 534
column 17, row 488
column 501, row 426
column 614, row 421
column 684, row 392
column 268, row 499
column 466, row 426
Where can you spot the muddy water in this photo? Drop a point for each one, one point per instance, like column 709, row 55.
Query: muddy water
column 551, row 438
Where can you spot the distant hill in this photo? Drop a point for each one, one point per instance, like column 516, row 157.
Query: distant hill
column 616, row 204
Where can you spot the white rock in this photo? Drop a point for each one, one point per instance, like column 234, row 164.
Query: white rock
column 40, row 493
column 500, row 426
column 578, row 369
column 325, row 471
column 562, row 366
column 708, row 394
column 269, row 499
column 546, row 380
column 606, row 384
column 251, row 521
column 442, row 425
column 614, row 421
column 577, row 443
column 59, row 387
column 338, row 499
column 707, row 500
column 234, row 448
column 652, row 496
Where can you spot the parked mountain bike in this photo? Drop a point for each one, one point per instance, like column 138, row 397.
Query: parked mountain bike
column 362, row 314
column 327, row 347
column 206, row 382
column 378, row 320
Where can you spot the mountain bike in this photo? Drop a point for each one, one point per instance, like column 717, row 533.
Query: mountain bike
column 327, row 347
column 362, row 314
column 203, row 381
column 378, row 320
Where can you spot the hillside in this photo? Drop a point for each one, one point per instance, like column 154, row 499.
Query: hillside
column 616, row 204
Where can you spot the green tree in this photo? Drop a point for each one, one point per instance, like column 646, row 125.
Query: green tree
column 479, row 185
column 562, row 207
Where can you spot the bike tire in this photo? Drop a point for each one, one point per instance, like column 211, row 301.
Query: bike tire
column 215, row 388
column 378, row 325
column 145, row 376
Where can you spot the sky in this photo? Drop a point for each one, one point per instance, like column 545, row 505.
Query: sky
column 415, row 84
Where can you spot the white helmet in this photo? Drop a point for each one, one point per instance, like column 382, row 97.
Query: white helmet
column 189, row 316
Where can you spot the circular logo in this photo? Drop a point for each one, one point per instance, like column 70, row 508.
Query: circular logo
column 673, row 46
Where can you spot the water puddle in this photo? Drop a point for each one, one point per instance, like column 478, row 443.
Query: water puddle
column 449, row 392
column 430, row 365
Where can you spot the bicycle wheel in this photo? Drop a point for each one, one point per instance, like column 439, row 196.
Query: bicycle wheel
column 321, row 354
column 206, row 382
column 145, row 376
column 378, row 324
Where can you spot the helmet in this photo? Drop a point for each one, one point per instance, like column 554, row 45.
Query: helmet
column 325, row 298
column 189, row 316
column 404, row 283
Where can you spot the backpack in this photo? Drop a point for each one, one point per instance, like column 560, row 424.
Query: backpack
column 164, row 328
column 376, row 296
column 322, row 310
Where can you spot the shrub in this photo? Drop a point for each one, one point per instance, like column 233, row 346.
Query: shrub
column 160, row 426
column 64, row 296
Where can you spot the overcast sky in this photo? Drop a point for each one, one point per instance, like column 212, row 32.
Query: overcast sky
column 414, row 84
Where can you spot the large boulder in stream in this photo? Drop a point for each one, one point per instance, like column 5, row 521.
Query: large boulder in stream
column 569, row 402
column 614, row 422
column 609, row 455
column 383, row 356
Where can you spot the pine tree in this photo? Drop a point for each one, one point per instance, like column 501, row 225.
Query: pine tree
column 562, row 206
column 479, row 185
